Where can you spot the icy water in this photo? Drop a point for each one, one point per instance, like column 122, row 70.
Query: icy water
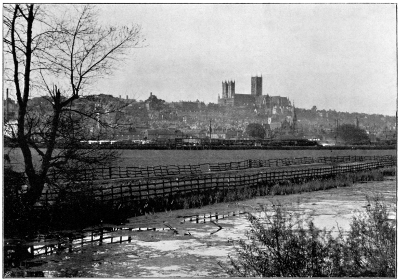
column 197, row 243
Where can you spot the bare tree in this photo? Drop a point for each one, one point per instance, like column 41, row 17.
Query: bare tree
column 56, row 52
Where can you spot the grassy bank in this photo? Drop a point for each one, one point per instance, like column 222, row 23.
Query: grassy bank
column 262, row 189
column 62, row 215
column 341, row 180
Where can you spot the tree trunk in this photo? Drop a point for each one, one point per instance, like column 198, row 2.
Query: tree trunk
column 34, row 192
column 35, row 183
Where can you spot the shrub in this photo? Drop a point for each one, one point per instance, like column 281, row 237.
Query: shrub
column 19, row 219
column 289, row 245
column 76, row 204
column 370, row 249
column 389, row 171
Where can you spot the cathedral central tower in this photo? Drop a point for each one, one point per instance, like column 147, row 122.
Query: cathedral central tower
column 256, row 86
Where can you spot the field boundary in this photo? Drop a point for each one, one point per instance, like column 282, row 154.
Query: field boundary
column 132, row 192
column 118, row 172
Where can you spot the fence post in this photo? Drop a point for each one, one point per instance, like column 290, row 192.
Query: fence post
column 223, row 184
column 130, row 194
column 198, row 185
column 163, row 185
column 171, row 189
column 147, row 189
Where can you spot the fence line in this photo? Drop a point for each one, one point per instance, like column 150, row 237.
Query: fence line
column 107, row 173
column 111, row 235
column 147, row 188
column 103, row 235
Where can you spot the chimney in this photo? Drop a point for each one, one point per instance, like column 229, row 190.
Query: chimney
column 126, row 97
column 120, row 97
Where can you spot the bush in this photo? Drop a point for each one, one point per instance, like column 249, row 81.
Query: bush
column 18, row 217
column 370, row 249
column 389, row 171
column 289, row 245
column 69, row 206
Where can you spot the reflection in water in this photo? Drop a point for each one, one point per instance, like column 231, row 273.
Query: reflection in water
column 74, row 242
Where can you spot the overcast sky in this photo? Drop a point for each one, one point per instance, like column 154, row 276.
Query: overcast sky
column 335, row 56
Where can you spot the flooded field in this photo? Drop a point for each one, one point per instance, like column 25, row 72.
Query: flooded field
column 188, row 243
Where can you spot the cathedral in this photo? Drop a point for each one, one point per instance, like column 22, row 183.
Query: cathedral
column 272, row 105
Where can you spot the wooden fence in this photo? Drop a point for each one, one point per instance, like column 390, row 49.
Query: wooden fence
column 144, row 188
column 109, row 173
column 128, row 191
column 74, row 242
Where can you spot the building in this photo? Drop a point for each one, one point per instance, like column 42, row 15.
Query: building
column 230, row 98
column 271, row 105
column 228, row 94
column 256, row 86
column 162, row 134
column 190, row 106
column 228, row 89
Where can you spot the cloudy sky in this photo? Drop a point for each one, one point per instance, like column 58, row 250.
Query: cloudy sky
column 335, row 56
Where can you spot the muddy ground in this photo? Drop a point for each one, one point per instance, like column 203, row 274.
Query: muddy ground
column 194, row 249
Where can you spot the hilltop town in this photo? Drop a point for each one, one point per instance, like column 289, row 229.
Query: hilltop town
column 153, row 118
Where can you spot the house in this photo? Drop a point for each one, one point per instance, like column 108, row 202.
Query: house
column 162, row 134
column 195, row 133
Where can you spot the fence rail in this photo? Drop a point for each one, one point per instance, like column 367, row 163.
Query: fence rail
column 109, row 173
column 121, row 192
column 112, row 235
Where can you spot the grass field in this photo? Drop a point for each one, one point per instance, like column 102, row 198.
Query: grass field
column 182, row 157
